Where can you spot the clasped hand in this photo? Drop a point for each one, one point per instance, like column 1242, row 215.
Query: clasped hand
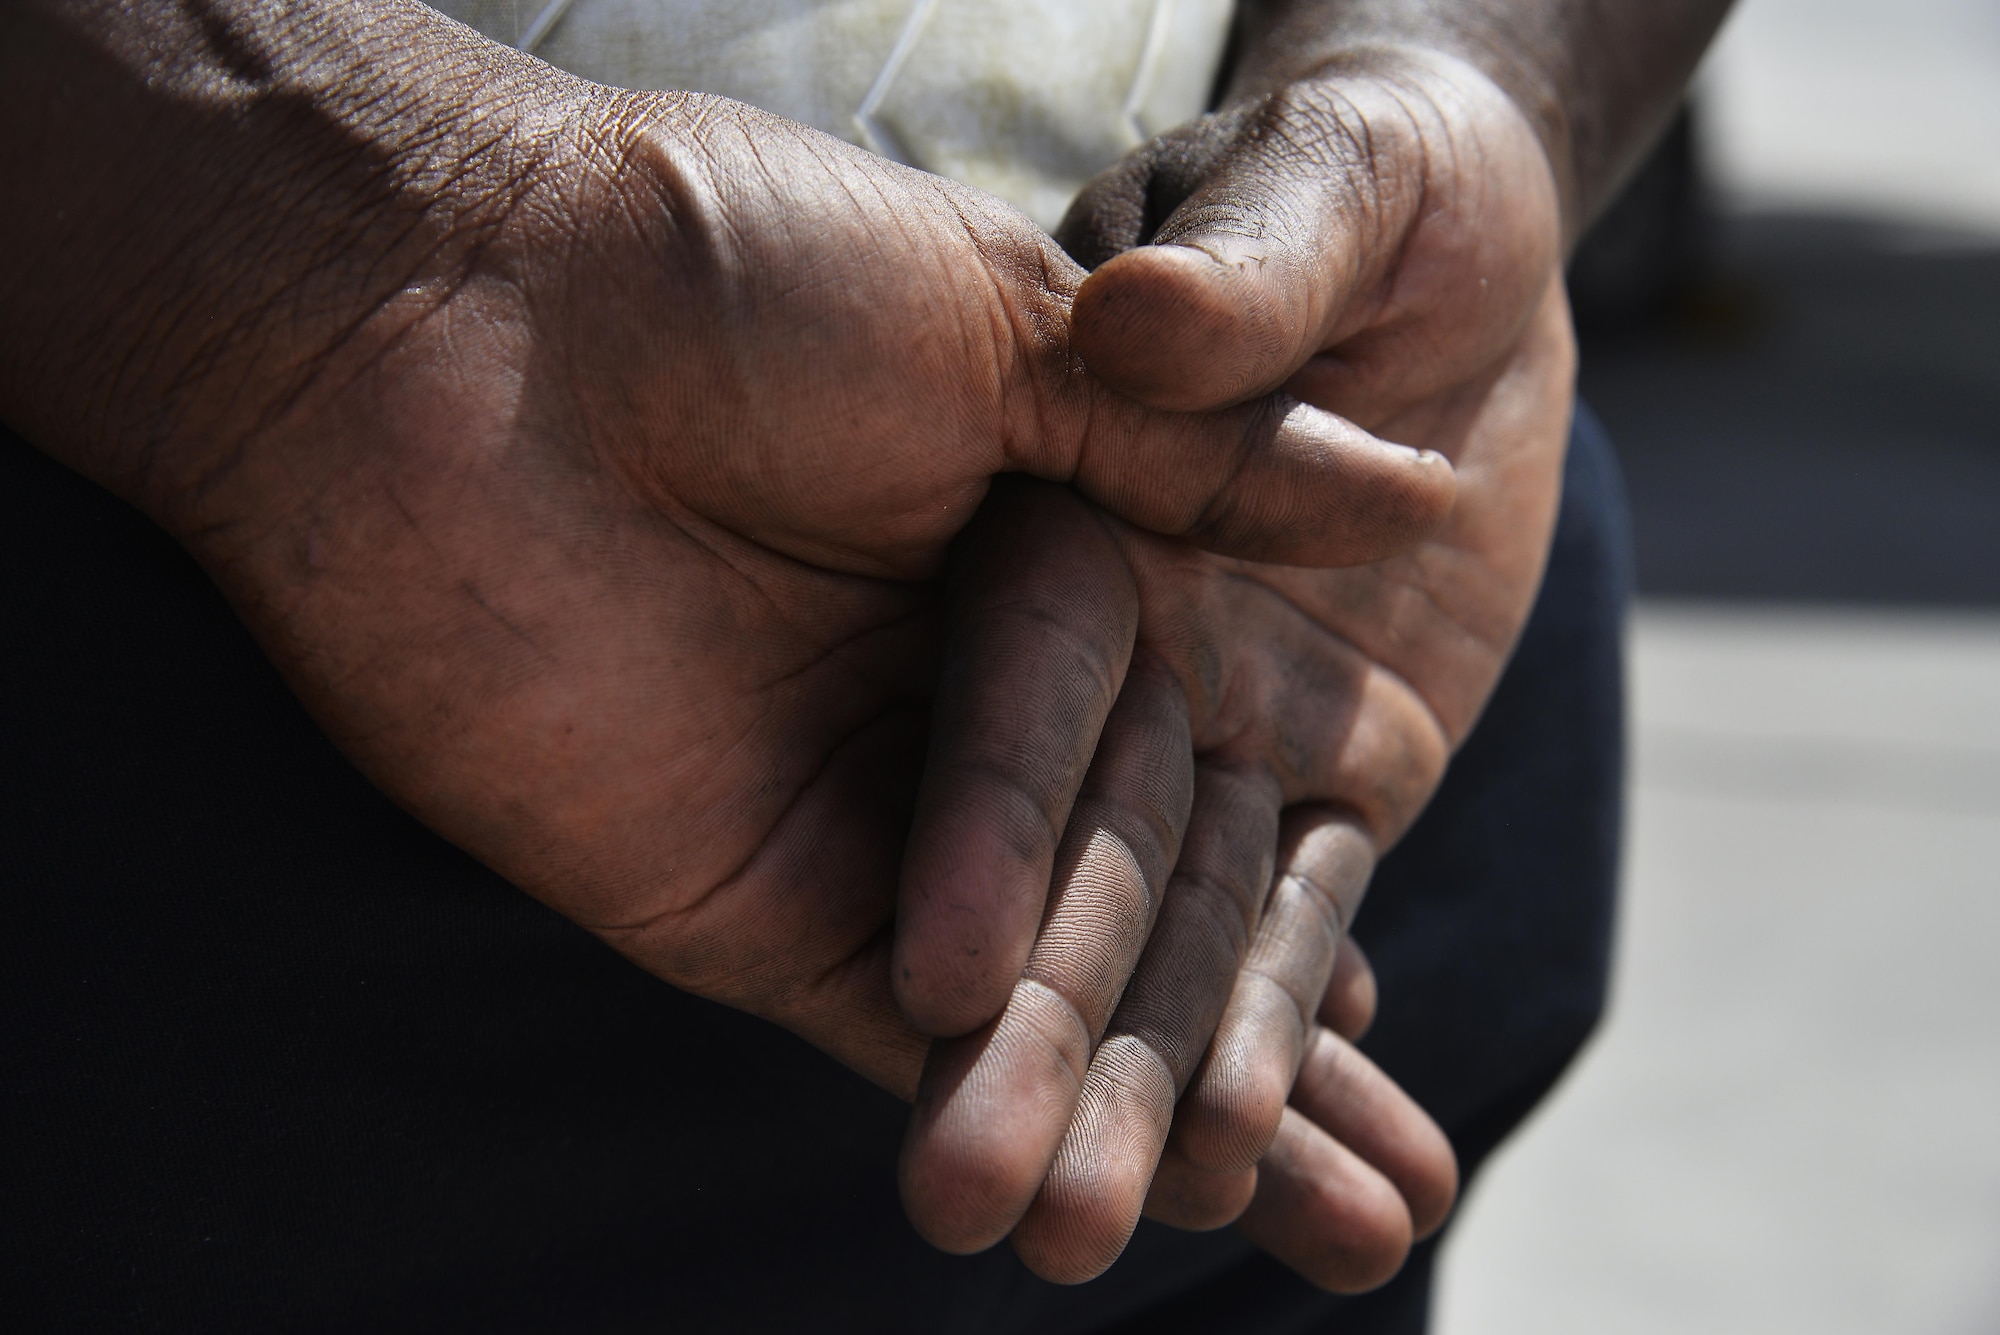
column 647, row 543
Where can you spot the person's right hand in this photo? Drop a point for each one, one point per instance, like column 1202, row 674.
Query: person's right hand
column 1383, row 236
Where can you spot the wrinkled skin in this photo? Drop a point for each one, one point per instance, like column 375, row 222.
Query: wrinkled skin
column 611, row 563
column 1383, row 240
column 595, row 512
column 592, row 513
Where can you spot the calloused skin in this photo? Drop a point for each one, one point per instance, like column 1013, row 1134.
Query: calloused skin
column 1376, row 223
column 581, row 459
column 585, row 460
column 1321, row 705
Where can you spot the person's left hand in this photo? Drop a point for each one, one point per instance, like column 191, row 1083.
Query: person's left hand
column 1384, row 241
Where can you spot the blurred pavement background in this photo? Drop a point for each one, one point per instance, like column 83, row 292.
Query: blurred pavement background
column 1791, row 1120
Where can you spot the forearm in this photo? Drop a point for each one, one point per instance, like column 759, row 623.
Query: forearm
column 210, row 197
column 1598, row 79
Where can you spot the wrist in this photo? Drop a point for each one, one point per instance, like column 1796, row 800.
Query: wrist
column 1290, row 44
column 245, row 195
column 1596, row 82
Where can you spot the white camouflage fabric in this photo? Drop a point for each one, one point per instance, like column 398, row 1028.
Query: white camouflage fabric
column 1026, row 99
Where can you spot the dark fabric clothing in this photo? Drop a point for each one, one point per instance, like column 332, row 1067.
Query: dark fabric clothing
column 278, row 1059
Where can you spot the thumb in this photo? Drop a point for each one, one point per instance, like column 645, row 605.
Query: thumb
column 1271, row 479
column 1286, row 224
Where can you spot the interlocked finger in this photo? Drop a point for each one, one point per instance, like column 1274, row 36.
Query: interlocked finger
column 1325, row 1212
column 1357, row 1172
column 1094, row 1193
column 1228, row 1118
column 1187, row 1196
column 1349, row 1098
column 1042, row 619
column 992, row 1107
column 1348, row 1007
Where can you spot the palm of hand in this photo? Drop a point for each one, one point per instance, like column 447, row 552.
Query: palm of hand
column 1414, row 288
column 1384, row 244
column 601, row 558
column 647, row 656
column 684, row 715
column 603, row 551
column 1356, row 685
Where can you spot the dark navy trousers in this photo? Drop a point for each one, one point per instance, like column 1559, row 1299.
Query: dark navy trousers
column 273, row 1057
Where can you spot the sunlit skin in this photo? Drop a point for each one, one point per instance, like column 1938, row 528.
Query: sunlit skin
column 1321, row 706
column 586, row 461
column 1377, row 225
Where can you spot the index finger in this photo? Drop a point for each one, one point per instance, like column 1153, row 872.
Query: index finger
column 992, row 1107
column 1042, row 621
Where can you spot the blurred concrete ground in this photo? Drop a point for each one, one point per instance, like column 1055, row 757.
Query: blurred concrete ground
column 1791, row 1121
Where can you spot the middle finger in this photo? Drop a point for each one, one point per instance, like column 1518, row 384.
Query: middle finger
column 1095, row 1190
column 992, row 1107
